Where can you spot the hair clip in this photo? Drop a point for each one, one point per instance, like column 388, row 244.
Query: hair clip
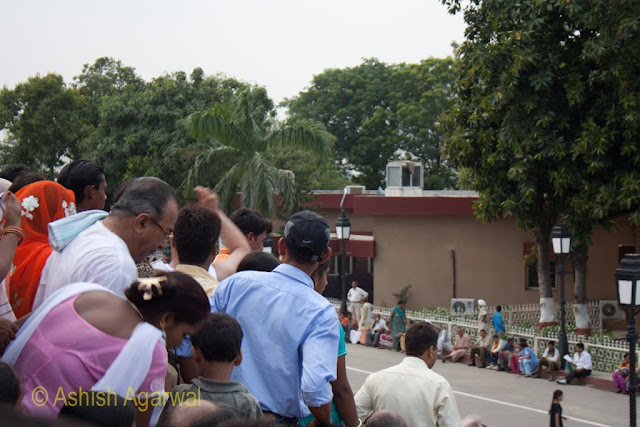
column 148, row 285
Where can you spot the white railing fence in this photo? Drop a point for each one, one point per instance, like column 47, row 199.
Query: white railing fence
column 521, row 322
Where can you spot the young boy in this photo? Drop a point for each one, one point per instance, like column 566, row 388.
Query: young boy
column 216, row 350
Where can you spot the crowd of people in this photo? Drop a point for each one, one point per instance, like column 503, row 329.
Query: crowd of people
column 92, row 328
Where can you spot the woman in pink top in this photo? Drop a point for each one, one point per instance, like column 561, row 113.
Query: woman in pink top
column 78, row 339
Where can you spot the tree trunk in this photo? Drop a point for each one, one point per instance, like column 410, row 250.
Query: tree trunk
column 547, row 312
column 580, row 258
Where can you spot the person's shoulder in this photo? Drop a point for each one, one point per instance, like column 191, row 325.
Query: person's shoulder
column 184, row 388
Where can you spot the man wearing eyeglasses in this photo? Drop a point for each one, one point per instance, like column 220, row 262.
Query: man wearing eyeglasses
column 105, row 251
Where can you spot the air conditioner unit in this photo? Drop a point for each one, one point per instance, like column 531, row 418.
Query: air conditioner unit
column 355, row 189
column 611, row 310
column 462, row 305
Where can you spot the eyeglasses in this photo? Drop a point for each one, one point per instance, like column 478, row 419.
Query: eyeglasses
column 167, row 233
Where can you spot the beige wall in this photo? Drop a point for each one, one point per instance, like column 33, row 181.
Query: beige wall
column 417, row 250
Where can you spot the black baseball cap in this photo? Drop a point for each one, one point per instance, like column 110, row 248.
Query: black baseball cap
column 307, row 235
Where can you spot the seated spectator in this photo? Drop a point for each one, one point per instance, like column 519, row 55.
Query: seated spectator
column 205, row 413
column 386, row 419
column 423, row 397
column 344, row 320
column 514, row 359
column 444, row 344
column 494, row 352
column 107, row 343
column 505, row 353
column 551, row 359
column 480, row 349
column 99, row 408
column 10, row 389
column 528, row 359
column 87, row 181
column 620, row 375
column 258, row 261
column 378, row 328
column 461, row 344
column 402, row 335
column 581, row 364
column 352, row 324
column 216, row 350
column 42, row 203
column 353, row 330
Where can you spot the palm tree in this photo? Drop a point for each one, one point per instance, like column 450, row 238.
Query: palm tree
column 238, row 136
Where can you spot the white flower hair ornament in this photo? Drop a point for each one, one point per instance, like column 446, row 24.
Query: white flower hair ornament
column 29, row 204
column 69, row 208
column 151, row 286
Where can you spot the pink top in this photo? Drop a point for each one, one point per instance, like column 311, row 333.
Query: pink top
column 67, row 354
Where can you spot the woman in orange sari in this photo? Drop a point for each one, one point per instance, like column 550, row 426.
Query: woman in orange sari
column 42, row 202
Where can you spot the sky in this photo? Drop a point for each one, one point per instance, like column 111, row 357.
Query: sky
column 278, row 44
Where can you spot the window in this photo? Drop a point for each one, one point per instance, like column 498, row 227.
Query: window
column 532, row 275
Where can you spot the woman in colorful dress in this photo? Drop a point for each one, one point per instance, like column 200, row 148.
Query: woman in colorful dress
column 398, row 323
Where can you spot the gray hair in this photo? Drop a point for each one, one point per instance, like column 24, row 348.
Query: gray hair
column 144, row 195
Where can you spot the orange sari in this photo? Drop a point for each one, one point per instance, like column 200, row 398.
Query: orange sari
column 42, row 202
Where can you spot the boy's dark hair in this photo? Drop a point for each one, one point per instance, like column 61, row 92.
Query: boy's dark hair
column 496, row 336
column 498, row 308
column 10, row 173
column 101, row 409
column 419, row 338
column 580, row 345
column 195, row 233
column 251, row 221
column 23, row 180
column 523, row 342
column 10, row 390
column 258, row 261
column 79, row 174
column 219, row 339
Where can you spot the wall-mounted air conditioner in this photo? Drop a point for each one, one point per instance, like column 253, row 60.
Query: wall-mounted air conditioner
column 611, row 310
column 462, row 305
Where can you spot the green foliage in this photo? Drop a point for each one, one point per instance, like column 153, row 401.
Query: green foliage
column 42, row 122
column 403, row 295
column 238, row 136
column 381, row 112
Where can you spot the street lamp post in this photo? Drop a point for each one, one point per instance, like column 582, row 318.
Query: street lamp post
column 561, row 239
column 628, row 286
column 343, row 232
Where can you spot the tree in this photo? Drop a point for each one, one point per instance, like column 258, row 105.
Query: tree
column 41, row 118
column 547, row 115
column 238, row 135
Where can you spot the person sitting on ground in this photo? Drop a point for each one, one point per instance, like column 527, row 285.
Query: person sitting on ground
column 423, row 397
column 444, row 344
column 87, row 337
column 343, row 407
column 87, row 181
column 353, row 331
column 461, row 344
column 99, row 408
column 258, row 261
column 494, row 352
column 202, row 414
column 386, row 419
column 216, row 350
column 480, row 349
column 344, row 320
column 505, row 353
column 253, row 225
column 402, row 336
column 497, row 321
column 378, row 327
column 104, row 251
column 620, row 375
column 10, row 389
column 551, row 359
column 581, row 364
column 528, row 359
column 42, row 203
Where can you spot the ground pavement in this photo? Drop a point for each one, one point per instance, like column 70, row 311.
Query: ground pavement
column 503, row 399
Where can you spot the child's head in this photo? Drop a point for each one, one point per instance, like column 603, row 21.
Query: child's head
column 10, row 390
column 557, row 395
column 219, row 339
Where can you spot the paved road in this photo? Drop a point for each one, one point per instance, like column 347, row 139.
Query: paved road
column 503, row 399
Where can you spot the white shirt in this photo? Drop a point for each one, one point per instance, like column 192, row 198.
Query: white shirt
column 556, row 354
column 96, row 255
column 582, row 360
column 163, row 266
column 356, row 294
column 380, row 324
column 423, row 397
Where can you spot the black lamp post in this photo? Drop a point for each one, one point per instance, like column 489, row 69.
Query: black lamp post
column 343, row 232
column 267, row 245
column 561, row 239
column 628, row 286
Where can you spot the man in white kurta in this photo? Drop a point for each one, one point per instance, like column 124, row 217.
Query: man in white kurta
column 355, row 296
column 423, row 397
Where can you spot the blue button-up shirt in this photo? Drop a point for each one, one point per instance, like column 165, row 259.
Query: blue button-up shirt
column 290, row 344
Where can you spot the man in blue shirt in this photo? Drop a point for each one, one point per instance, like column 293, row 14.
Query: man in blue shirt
column 497, row 321
column 291, row 336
